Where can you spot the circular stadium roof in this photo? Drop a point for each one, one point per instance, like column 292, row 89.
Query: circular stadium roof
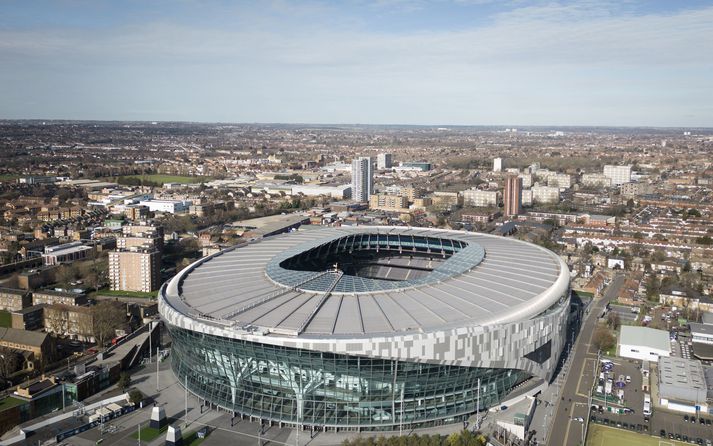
column 420, row 280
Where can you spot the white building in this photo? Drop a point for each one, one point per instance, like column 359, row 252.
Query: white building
column 497, row 165
column 561, row 180
column 596, row 180
column 66, row 253
column 526, row 195
column 618, row 174
column 362, row 179
column 545, row 194
column 480, row 198
column 526, row 179
column 701, row 333
column 643, row 343
column 167, row 206
column 383, row 161
column 311, row 190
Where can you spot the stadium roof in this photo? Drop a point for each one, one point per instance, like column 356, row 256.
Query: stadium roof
column 486, row 279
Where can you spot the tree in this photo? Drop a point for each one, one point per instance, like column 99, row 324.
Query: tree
column 603, row 339
column 9, row 362
column 136, row 396
column 124, row 381
column 107, row 317
column 613, row 320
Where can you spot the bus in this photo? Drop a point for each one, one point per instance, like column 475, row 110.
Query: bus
column 647, row 404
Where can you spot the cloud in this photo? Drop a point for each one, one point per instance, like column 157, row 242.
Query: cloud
column 574, row 55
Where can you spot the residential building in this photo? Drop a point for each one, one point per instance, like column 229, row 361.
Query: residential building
column 383, row 161
column 497, row 164
column 526, row 197
column 526, row 180
column 29, row 318
column 70, row 321
column 411, row 193
column 362, row 179
column 595, row 180
column 51, row 297
column 561, row 180
column 480, row 198
column 388, row 202
column 545, row 194
column 631, row 190
column 512, row 198
column 618, row 174
column 135, row 269
column 37, row 343
column 12, row 299
column 446, row 200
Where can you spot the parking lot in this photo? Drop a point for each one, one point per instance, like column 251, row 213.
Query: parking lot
column 673, row 424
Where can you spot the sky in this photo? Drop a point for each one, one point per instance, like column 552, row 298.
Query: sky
column 439, row 62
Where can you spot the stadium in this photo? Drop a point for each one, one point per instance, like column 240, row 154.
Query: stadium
column 367, row 328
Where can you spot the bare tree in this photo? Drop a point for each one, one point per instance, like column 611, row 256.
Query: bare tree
column 9, row 362
column 108, row 316
column 56, row 319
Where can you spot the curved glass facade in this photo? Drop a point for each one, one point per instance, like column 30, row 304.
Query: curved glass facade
column 297, row 386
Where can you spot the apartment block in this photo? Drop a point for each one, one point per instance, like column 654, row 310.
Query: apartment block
column 135, row 269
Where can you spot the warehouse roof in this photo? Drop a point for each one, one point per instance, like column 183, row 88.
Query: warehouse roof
column 645, row 337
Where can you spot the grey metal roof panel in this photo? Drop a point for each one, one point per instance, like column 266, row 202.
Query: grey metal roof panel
column 486, row 278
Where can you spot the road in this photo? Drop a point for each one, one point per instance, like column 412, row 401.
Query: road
column 579, row 379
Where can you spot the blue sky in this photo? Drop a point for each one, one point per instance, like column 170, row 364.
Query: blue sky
column 440, row 62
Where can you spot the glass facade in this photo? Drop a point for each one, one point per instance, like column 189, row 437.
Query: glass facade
column 304, row 387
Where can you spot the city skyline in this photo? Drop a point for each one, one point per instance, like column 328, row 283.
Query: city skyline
column 387, row 62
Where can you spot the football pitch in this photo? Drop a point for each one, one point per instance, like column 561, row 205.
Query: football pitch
column 605, row 436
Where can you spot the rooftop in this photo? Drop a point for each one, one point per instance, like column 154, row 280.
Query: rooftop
column 287, row 283
column 644, row 336
column 22, row 337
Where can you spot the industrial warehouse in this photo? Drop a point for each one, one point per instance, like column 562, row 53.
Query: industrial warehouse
column 367, row 328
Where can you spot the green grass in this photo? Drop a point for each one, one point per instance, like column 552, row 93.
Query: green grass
column 604, row 436
column 119, row 293
column 5, row 319
column 191, row 439
column 9, row 177
column 158, row 178
column 148, row 434
column 10, row 402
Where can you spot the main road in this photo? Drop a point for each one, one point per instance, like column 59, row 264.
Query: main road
column 573, row 403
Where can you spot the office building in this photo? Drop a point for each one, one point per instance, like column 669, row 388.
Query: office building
column 362, row 179
column 512, row 196
column 361, row 331
column 135, row 269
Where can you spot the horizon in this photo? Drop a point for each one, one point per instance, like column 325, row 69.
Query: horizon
column 414, row 62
